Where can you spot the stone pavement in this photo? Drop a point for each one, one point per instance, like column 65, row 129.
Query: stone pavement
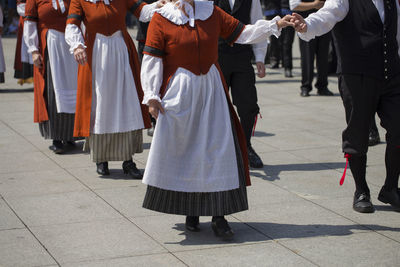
column 56, row 211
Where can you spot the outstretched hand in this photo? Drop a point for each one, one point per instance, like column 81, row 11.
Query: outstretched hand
column 285, row 22
column 300, row 24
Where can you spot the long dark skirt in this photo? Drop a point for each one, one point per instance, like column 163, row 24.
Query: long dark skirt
column 198, row 203
column 60, row 126
column 25, row 73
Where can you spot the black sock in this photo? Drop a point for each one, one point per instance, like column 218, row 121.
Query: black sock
column 358, row 166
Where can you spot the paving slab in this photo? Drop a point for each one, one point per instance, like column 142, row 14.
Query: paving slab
column 353, row 250
column 38, row 183
column 8, row 219
column 18, row 247
column 154, row 260
column 69, row 207
column 264, row 254
column 97, row 240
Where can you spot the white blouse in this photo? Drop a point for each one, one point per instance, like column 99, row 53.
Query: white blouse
column 152, row 67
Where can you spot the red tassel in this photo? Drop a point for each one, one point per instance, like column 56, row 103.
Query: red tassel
column 347, row 156
column 255, row 123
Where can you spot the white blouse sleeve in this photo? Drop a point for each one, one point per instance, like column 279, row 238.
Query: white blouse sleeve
column 324, row 20
column 259, row 49
column 21, row 9
column 151, row 76
column 73, row 37
column 147, row 12
column 259, row 31
column 31, row 36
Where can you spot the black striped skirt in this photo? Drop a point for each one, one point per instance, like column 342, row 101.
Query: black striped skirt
column 201, row 203
column 114, row 146
column 60, row 126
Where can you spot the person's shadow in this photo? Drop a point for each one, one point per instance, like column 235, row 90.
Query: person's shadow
column 271, row 172
column 264, row 231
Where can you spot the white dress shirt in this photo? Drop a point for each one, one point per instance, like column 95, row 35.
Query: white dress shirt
column 334, row 11
column 259, row 49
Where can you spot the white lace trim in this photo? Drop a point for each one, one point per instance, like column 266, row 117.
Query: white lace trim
column 172, row 12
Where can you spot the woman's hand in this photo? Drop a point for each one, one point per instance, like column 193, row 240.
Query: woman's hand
column 80, row 55
column 318, row 4
column 37, row 59
column 155, row 107
column 260, row 69
column 285, row 22
column 300, row 23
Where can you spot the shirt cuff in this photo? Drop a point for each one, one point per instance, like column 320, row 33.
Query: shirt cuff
column 308, row 35
column 150, row 96
column 274, row 27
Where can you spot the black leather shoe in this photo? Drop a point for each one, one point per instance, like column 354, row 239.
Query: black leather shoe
column 254, row 160
column 129, row 167
column 362, row 203
column 221, row 228
column 57, row 147
column 102, row 168
column 304, row 92
column 391, row 197
column 373, row 138
column 192, row 223
column 324, row 92
column 288, row 73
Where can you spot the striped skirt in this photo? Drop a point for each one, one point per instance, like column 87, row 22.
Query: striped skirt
column 198, row 203
column 60, row 126
column 114, row 146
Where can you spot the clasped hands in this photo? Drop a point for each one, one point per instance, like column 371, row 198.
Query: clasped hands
column 294, row 20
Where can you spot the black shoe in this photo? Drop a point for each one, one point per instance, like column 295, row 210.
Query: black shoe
column 254, row 160
column 373, row 138
column 304, row 92
column 102, row 168
column 362, row 203
column 192, row 223
column 288, row 73
column 129, row 167
column 221, row 228
column 324, row 92
column 69, row 143
column 391, row 197
column 57, row 147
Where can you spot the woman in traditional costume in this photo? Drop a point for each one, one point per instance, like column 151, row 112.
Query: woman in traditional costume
column 55, row 70
column 108, row 110
column 23, row 65
column 197, row 164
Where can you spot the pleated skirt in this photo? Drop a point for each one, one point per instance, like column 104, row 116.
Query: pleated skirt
column 201, row 203
column 60, row 126
column 114, row 146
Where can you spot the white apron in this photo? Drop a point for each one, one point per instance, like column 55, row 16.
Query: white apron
column 115, row 103
column 193, row 139
column 64, row 72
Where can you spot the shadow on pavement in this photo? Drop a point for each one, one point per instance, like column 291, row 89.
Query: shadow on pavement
column 261, row 232
column 271, row 172
column 28, row 90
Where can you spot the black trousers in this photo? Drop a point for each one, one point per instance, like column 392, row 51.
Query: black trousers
column 363, row 96
column 240, row 78
column 281, row 48
column 318, row 47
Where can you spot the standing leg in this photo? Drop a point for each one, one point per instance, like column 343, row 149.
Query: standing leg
column 389, row 112
column 374, row 138
column 360, row 97
column 287, row 41
column 307, row 51
column 322, row 52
